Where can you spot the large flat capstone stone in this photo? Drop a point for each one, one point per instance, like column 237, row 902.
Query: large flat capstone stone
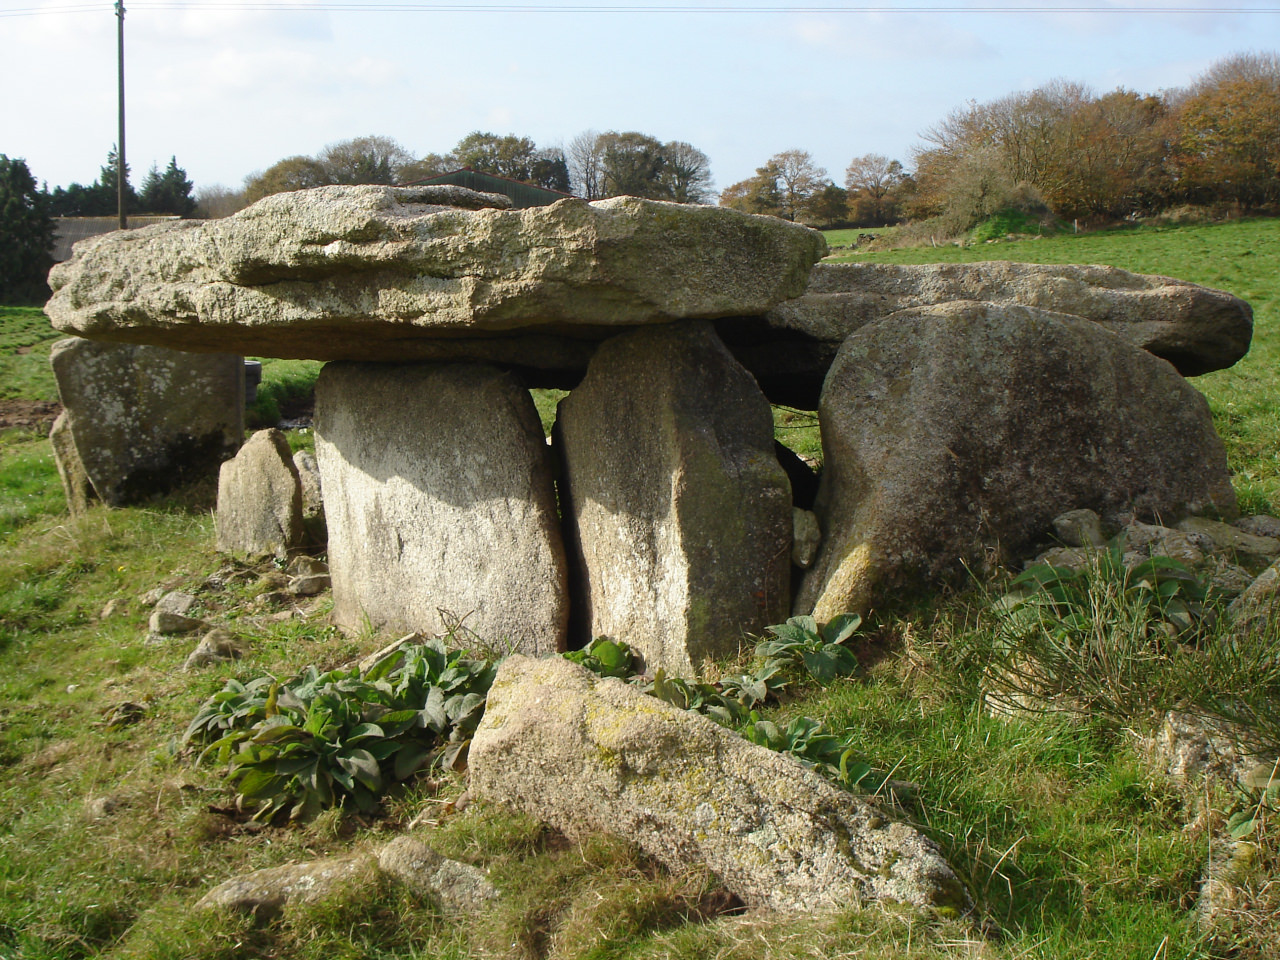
column 591, row 755
column 144, row 420
column 679, row 511
column 790, row 349
column 440, row 503
column 374, row 272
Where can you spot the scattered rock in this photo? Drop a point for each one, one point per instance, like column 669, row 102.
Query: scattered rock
column 674, row 498
column 265, row 893
column 99, row 808
column 307, row 576
column 170, row 614
column 439, row 497
column 1228, row 580
column 1079, row 528
column 1187, row 747
column 1260, row 526
column 1145, row 540
column 1230, row 539
column 151, row 597
column 144, row 420
column 1070, row 558
column 314, row 531
column 113, row 607
column 382, row 270
column 260, row 499
column 960, row 435
column 592, row 755
column 216, row 646
column 806, row 538
column 1255, row 607
column 457, row 887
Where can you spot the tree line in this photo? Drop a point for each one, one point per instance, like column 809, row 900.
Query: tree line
column 595, row 165
column 1060, row 150
column 163, row 193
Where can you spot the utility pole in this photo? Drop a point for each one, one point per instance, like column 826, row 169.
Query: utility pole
column 120, row 166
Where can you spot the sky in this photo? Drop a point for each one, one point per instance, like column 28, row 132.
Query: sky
column 229, row 88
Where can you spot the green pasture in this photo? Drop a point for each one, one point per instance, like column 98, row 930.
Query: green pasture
column 1070, row 839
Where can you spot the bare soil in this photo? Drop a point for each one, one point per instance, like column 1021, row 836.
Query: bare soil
column 28, row 414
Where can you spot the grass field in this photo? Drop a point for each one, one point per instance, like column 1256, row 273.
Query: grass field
column 1072, row 844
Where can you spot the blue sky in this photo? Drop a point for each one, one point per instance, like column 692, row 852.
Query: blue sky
column 229, row 90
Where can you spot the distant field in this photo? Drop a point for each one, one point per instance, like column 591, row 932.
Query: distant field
column 847, row 238
column 1241, row 257
column 25, row 338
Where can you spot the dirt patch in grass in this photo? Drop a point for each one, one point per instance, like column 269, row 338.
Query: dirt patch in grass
column 28, row 414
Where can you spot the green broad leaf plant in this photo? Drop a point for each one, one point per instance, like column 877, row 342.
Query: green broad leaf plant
column 323, row 739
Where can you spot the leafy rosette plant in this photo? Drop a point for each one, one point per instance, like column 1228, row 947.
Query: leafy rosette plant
column 325, row 738
column 806, row 740
column 820, row 648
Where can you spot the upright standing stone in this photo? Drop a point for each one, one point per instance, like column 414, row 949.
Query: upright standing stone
column 260, row 499
column 439, row 496
column 680, row 511
column 958, row 436
column 145, row 420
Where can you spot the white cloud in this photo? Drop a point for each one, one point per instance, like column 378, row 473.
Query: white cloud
column 883, row 37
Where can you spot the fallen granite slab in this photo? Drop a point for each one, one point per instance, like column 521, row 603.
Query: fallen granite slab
column 587, row 754
column 375, row 272
column 790, row 349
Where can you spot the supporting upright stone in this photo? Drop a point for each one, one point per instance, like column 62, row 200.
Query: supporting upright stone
column 680, row 511
column 144, row 420
column 440, row 503
column 260, row 499
column 956, row 437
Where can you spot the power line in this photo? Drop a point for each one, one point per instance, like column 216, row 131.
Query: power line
column 338, row 6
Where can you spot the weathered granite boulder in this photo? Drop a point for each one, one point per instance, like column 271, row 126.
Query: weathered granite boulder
column 789, row 351
column 265, row 893
column 368, row 272
column 439, row 497
column 678, row 510
column 591, row 755
column 260, row 499
column 1232, row 540
column 170, row 614
column 961, row 434
column 144, row 420
column 457, row 887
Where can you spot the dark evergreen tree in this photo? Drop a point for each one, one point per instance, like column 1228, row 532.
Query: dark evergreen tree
column 98, row 199
column 26, row 235
column 168, row 192
column 106, row 190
